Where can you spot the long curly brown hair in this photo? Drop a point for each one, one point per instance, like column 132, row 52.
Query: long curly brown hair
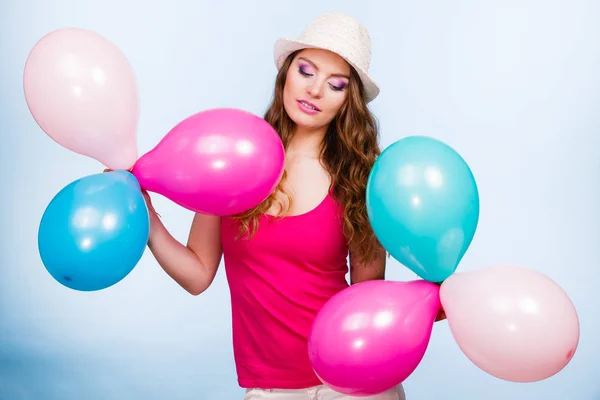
column 349, row 150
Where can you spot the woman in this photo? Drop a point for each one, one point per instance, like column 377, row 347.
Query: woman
column 285, row 258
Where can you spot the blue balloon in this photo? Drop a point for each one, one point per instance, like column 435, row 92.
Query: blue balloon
column 423, row 205
column 94, row 231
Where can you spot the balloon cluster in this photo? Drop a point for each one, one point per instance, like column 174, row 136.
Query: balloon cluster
column 422, row 202
column 82, row 92
column 512, row 322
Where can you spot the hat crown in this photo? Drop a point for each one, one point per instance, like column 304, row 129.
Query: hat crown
column 343, row 34
column 340, row 34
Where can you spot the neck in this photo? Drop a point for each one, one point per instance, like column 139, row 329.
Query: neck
column 306, row 142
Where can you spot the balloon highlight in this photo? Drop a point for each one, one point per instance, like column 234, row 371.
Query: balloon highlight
column 94, row 231
column 512, row 322
column 371, row 336
column 423, row 204
column 82, row 92
column 219, row 162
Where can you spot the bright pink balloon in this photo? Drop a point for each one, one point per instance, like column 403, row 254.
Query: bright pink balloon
column 82, row 92
column 371, row 336
column 218, row 162
column 514, row 323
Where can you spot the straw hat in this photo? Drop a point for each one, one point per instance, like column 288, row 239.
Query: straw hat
column 340, row 34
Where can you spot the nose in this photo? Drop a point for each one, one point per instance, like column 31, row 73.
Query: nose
column 315, row 89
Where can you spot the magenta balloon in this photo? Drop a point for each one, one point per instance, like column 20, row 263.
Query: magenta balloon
column 371, row 336
column 219, row 162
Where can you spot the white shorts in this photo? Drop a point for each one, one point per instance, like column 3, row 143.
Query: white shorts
column 321, row 392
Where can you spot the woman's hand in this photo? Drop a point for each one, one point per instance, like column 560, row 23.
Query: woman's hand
column 151, row 211
column 440, row 316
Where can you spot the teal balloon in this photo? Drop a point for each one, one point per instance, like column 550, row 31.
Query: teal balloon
column 423, row 204
column 94, row 231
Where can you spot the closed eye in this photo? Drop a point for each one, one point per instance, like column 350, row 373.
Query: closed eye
column 303, row 73
column 337, row 88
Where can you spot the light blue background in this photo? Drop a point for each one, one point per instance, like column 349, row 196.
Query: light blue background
column 514, row 86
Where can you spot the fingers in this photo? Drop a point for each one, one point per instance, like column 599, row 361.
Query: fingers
column 440, row 316
column 146, row 197
column 149, row 202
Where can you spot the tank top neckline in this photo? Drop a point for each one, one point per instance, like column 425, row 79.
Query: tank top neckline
column 311, row 211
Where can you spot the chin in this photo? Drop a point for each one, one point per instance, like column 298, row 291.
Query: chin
column 305, row 120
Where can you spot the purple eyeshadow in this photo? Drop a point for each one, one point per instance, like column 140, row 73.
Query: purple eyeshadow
column 339, row 84
column 304, row 68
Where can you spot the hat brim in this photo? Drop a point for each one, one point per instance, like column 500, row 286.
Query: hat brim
column 284, row 47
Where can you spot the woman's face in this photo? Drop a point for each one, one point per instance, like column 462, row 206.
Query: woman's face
column 316, row 87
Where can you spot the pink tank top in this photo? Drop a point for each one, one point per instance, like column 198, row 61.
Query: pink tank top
column 279, row 279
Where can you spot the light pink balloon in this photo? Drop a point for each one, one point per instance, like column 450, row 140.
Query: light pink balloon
column 514, row 323
column 371, row 336
column 218, row 162
column 82, row 92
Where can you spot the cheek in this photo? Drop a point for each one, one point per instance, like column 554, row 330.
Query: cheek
column 290, row 89
column 293, row 82
column 334, row 103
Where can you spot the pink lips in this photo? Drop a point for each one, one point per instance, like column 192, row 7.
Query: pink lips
column 307, row 109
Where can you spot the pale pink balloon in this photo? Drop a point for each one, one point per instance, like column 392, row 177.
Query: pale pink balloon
column 512, row 322
column 219, row 162
column 371, row 336
column 82, row 92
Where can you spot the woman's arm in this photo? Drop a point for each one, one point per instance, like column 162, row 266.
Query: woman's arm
column 366, row 271
column 193, row 266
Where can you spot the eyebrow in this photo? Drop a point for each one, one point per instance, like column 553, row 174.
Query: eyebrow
column 314, row 65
